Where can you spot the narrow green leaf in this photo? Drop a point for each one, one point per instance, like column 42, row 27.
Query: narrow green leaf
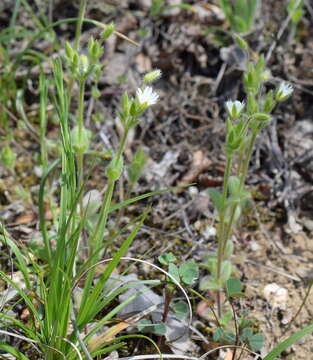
column 11, row 350
column 91, row 305
column 5, row 239
column 272, row 355
column 143, row 196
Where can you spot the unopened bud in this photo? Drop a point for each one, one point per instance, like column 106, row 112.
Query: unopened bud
column 152, row 76
column 261, row 117
column 241, row 42
column 108, row 31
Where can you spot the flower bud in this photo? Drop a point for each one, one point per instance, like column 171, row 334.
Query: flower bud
column 108, row 31
column 115, row 168
column 241, row 42
column 152, row 76
column 261, row 117
column 8, row 157
column 269, row 103
column 95, row 92
column 69, row 51
column 252, row 104
column 81, row 141
column 83, row 65
column 283, row 92
column 95, row 50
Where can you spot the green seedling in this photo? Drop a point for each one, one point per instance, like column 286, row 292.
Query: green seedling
column 240, row 14
column 295, row 10
column 8, row 157
column 159, row 6
column 186, row 274
column 236, row 331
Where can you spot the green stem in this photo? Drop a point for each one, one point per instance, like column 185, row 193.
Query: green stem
column 43, row 122
column 96, row 238
column 243, row 176
column 221, row 227
column 80, row 154
column 122, row 143
column 121, row 211
column 227, row 175
column 301, row 306
column 81, row 15
column 80, row 19
column 247, row 160
column 81, row 107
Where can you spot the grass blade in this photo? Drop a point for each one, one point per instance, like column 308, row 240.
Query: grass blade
column 11, row 350
column 272, row 355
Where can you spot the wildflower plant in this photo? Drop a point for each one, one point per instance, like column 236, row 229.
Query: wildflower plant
column 69, row 333
column 245, row 121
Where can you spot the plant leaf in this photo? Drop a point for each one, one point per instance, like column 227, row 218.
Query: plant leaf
column 208, row 283
column 189, row 272
column 11, row 350
column 226, row 270
column 225, row 319
column 141, row 325
column 246, row 334
column 256, row 341
column 173, row 270
column 234, row 287
column 272, row 355
column 159, row 328
column 167, row 258
column 234, row 185
column 181, row 309
column 216, row 198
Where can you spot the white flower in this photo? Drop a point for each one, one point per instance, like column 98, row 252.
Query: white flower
column 147, row 97
column 284, row 91
column 234, row 108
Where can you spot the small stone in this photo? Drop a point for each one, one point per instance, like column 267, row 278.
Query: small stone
column 277, row 296
column 209, row 232
column 193, row 191
column 254, row 246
